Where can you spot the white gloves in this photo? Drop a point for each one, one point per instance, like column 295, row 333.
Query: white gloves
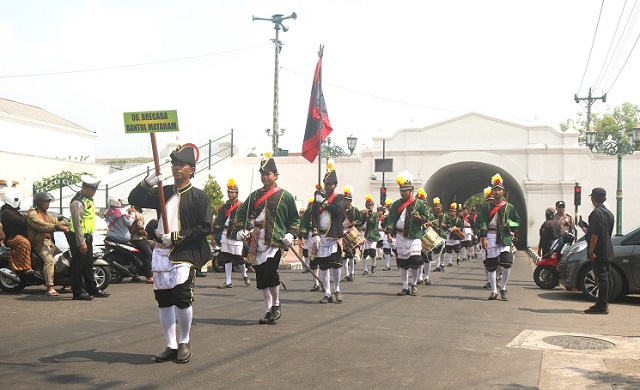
column 319, row 198
column 152, row 179
column 316, row 241
column 166, row 239
column 242, row 235
column 287, row 240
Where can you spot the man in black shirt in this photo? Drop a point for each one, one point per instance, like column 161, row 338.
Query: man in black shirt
column 600, row 248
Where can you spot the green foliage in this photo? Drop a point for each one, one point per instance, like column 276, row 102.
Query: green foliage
column 56, row 181
column 475, row 200
column 624, row 117
column 213, row 191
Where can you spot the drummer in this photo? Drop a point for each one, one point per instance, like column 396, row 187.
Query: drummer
column 406, row 217
column 372, row 235
column 440, row 222
column 452, row 243
column 352, row 221
column 425, row 268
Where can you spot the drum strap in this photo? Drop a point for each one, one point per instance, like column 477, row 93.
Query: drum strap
column 331, row 198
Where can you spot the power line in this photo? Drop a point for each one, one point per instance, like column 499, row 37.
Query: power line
column 625, row 63
column 375, row 96
column 132, row 65
column 613, row 37
column 592, row 44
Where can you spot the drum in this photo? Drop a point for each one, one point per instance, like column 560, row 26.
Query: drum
column 352, row 239
column 456, row 233
column 431, row 240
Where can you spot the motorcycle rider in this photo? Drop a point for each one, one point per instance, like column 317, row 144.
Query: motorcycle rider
column 15, row 228
column 139, row 239
column 40, row 228
column 118, row 221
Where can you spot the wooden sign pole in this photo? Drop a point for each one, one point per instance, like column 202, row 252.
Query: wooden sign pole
column 156, row 160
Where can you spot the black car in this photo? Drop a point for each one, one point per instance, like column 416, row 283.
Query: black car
column 576, row 271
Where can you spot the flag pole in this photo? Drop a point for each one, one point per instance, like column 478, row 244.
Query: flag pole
column 320, row 124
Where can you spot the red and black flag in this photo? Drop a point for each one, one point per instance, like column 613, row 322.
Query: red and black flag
column 317, row 117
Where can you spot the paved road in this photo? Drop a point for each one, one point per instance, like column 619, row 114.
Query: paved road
column 447, row 337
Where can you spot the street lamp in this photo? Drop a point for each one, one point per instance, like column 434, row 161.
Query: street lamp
column 328, row 151
column 619, row 146
column 352, row 140
column 275, row 139
column 277, row 25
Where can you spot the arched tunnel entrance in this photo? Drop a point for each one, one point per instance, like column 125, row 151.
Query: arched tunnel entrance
column 459, row 181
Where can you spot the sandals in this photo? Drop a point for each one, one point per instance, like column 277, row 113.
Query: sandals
column 52, row 293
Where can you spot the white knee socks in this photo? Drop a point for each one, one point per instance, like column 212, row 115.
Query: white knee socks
column 185, row 316
column 168, row 323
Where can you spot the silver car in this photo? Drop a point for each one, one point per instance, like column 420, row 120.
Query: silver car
column 576, row 271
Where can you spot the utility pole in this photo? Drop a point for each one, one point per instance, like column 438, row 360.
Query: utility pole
column 590, row 99
column 277, row 25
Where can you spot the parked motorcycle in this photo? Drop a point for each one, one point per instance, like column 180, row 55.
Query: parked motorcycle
column 125, row 260
column 546, row 274
column 12, row 281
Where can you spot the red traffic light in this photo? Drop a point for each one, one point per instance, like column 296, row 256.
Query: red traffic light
column 578, row 189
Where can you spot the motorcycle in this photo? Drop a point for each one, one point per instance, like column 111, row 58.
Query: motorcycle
column 12, row 281
column 546, row 274
column 125, row 260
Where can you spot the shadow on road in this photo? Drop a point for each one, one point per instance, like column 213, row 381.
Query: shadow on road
column 135, row 359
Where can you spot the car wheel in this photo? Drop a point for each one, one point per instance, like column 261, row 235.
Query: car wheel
column 590, row 288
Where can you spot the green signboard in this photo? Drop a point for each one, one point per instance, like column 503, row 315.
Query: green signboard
column 150, row 121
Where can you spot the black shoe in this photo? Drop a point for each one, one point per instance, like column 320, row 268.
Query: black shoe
column 101, row 294
column 326, row 299
column 488, row 285
column 315, row 288
column 386, row 269
column 442, row 268
column 373, row 269
column 437, row 269
column 597, row 310
column 265, row 319
column 503, row 295
column 458, row 261
column 449, row 265
column 403, row 292
column 83, row 296
column 493, row 296
column 200, row 274
column 427, row 282
column 365, row 272
column 413, row 290
column 166, row 355
column 276, row 313
column 247, row 281
column 184, row 353
column 339, row 298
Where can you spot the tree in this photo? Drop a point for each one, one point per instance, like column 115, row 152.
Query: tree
column 213, row 191
column 56, row 181
column 624, row 117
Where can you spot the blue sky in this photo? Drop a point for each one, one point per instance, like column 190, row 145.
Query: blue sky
column 387, row 65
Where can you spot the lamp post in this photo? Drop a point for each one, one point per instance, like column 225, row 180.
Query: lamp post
column 277, row 25
column 620, row 145
column 329, row 151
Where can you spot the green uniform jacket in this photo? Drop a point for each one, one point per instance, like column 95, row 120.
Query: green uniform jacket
column 508, row 221
column 412, row 227
column 305, row 223
column 371, row 223
column 281, row 215
column 221, row 219
column 441, row 224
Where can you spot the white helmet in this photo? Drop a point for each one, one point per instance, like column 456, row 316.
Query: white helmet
column 13, row 197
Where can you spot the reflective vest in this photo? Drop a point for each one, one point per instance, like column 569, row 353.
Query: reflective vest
column 88, row 221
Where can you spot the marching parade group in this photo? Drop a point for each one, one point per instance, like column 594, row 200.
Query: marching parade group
column 331, row 230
